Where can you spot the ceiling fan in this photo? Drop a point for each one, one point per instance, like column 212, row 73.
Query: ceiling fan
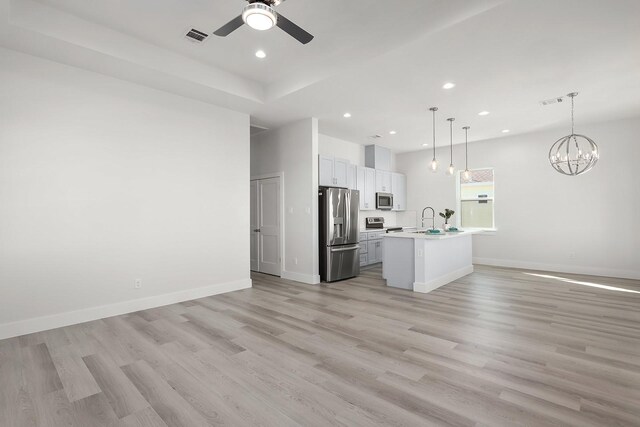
column 261, row 15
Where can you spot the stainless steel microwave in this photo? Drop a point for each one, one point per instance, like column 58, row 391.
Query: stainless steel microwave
column 384, row 201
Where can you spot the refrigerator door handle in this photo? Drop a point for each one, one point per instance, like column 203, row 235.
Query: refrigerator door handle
column 350, row 248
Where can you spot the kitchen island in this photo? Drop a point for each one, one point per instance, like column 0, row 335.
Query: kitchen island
column 423, row 262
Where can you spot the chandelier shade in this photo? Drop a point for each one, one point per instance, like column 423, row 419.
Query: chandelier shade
column 573, row 154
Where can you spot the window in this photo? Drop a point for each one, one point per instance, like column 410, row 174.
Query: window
column 476, row 199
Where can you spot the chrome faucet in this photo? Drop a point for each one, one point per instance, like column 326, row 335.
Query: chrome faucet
column 433, row 217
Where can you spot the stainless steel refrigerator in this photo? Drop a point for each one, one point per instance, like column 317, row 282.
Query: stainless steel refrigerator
column 339, row 249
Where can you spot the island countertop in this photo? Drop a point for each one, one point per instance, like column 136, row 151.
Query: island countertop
column 425, row 236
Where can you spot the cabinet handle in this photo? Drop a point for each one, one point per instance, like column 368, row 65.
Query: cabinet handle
column 257, row 230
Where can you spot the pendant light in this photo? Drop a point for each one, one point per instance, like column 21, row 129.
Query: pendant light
column 451, row 170
column 573, row 154
column 466, row 174
column 434, row 162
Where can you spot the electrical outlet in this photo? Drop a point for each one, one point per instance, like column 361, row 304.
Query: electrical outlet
column 419, row 252
column 137, row 284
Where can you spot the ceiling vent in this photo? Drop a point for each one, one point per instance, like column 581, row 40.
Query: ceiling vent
column 551, row 101
column 376, row 136
column 196, row 36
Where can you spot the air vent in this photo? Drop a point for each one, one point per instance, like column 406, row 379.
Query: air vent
column 376, row 136
column 551, row 101
column 196, row 36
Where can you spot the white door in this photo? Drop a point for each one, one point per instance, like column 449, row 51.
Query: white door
column 267, row 230
column 255, row 235
column 325, row 171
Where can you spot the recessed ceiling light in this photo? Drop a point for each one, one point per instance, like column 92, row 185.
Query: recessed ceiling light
column 505, row 130
column 448, row 85
column 346, row 115
column 392, row 132
column 425, row 145
column 483, row 113
column 260, row 54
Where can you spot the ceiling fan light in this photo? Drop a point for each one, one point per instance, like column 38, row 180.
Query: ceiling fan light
column 259, row 16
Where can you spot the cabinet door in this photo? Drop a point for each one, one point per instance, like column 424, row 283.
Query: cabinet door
column 399, row 190
column 325, row 171
column 363, row 260
column 369, row 189
column 371, row 251
column 340, row 168
column 378, row 256
column 360, row 186
column 352, row 177
column 383, row 181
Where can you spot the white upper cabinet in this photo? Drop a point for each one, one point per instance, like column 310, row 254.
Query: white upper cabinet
column 340, row 168
column 377, row 157
column 366, row 185
column 352, row 177
column 333, row 172
column 383, row 181
column 399, row 190
column 325, row 171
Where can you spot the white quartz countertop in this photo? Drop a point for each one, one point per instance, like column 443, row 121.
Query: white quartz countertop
column 423, row 235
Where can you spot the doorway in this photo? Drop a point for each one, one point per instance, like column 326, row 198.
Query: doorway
column 266, row 225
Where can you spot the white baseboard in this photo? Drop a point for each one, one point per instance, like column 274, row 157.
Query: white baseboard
column 442, row 280
column 38, row 324
column 311, row 279
column 558, row 268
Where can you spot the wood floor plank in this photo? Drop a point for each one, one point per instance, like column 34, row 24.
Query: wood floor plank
column 169, row 405
column 122, row 395
column 76, row 379
column 41, row 376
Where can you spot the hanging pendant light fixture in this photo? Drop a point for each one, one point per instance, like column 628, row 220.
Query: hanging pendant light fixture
column 434, row 162
column 466, row 174
column 573, row 154
column 451, row 170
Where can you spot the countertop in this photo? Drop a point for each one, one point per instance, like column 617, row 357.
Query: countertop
column 441, row 236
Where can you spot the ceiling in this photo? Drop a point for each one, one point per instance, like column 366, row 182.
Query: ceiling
column 384, row 62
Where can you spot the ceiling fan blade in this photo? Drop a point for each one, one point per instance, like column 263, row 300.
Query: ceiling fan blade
column 293, row 30
column 229, row 27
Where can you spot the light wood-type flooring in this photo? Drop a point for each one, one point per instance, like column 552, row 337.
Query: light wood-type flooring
column 499, row 347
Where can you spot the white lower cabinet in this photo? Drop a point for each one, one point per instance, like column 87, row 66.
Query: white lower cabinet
column 363, row 260
column 374, row 251
column 371, row 247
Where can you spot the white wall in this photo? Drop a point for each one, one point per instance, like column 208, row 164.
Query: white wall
column 330, row 146
column 587, row 224
column 293, row 150
column 103, row 182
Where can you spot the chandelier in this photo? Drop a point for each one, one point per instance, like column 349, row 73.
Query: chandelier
column 573, row 154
